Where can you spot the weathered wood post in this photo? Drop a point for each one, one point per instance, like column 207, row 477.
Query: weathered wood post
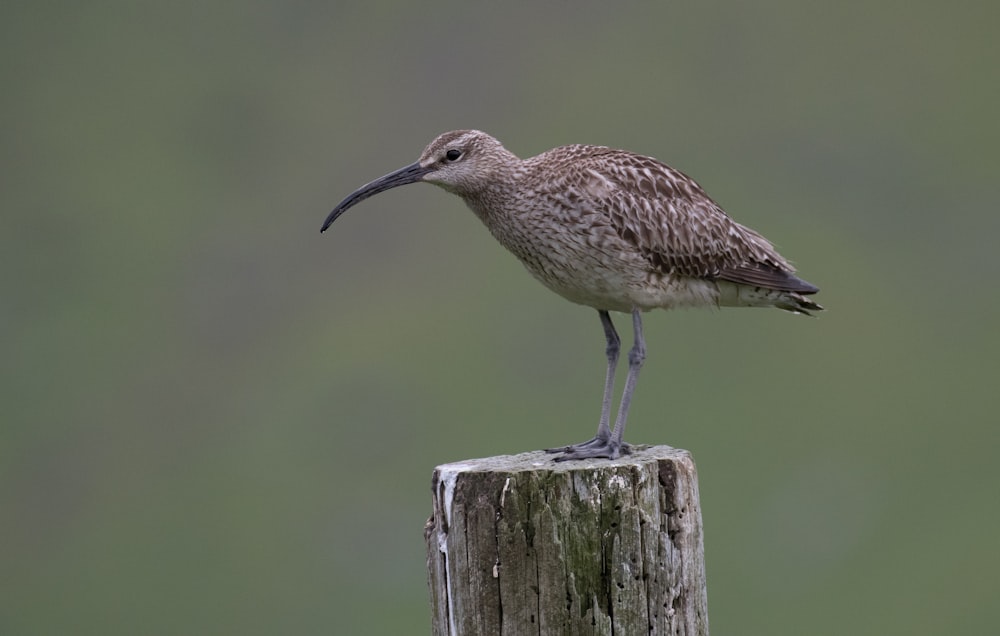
column 523, row 545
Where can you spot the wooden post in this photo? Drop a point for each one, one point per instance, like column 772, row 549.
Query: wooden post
column 524, row 545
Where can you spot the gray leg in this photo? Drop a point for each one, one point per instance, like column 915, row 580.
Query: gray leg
column 603, row 428
column 635, row 359
column 614, row 346
column 608, row 443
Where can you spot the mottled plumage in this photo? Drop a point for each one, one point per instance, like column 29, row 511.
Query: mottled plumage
column 609, row 229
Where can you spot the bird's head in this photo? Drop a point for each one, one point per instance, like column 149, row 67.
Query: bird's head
column 464, row 162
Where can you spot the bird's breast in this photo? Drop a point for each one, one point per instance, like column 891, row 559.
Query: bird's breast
column 577, row 253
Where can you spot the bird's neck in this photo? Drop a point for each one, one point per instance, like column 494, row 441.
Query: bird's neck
column 496, row 195
column 488, row 202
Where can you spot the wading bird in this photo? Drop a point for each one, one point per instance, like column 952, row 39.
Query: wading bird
column 611, row 230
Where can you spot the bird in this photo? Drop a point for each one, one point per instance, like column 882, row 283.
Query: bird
column 608, row 229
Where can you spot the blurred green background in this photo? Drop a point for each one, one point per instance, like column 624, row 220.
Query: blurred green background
column 217, row 421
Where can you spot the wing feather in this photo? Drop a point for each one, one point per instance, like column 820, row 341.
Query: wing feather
column 670, row 219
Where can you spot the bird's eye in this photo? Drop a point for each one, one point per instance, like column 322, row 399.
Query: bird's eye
column 453, row 154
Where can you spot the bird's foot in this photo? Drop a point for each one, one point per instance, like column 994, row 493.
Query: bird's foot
column 596, row 447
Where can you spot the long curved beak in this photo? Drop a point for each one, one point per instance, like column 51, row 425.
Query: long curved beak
column 409, row 174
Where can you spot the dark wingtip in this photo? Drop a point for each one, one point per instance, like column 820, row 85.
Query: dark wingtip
column 807, row 287
column 762, row 275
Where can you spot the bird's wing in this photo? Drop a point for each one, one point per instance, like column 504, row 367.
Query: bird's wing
column 670, row 219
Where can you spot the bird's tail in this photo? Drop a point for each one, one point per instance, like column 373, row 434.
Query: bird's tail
column 736, row 295
column 797, row 304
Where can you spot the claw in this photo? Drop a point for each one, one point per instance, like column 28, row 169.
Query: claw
column 590, row 449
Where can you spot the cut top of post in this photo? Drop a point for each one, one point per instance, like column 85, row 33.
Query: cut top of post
column 523, row 544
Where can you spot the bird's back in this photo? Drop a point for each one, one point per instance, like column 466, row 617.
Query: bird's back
column 614, row 230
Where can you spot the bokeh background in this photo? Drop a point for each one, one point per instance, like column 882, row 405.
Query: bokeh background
column 217, row 421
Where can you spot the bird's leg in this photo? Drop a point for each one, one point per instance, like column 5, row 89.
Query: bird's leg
column 614, row 346
column 599, row 445
column 635, row 359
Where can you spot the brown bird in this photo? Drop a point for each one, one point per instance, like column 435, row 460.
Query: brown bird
column 609, row 229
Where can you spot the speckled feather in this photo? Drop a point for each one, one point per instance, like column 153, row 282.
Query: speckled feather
column 609, row 229
column 615, row 230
